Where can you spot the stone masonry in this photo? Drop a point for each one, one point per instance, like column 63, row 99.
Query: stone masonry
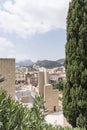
column 7, row 70
column 50, row 95
column 51, row 98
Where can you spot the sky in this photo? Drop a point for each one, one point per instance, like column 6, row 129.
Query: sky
column 33, row 29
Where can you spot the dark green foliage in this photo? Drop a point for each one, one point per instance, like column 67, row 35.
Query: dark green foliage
column 50, row 64
column 75, row 91
column 59, row 86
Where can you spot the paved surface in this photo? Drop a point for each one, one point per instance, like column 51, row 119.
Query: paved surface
column 55, row 119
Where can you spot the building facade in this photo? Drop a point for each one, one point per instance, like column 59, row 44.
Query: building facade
column 20, row 77
column 32, row 79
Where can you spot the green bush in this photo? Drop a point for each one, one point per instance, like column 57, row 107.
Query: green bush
column 59, row 85
column 14, row 116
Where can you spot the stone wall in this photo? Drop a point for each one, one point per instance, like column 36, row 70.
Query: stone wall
column 41, row 82
column 51, row 98
column 7, row 70
column 50, row 95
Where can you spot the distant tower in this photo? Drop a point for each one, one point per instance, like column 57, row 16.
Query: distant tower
column 50, row 94
column 46, row 77
column 41, row 82
column 43, row 79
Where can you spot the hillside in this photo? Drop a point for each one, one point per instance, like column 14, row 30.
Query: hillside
column 43, row 63
column 49, row 63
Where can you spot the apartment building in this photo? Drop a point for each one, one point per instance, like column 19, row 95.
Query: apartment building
column 32, row 78
column 57, row 75
column 20, row 77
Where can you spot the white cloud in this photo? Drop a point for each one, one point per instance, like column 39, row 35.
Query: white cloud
column 8, row 50
column 5, row 46
column 4, row 43
column 26, row 17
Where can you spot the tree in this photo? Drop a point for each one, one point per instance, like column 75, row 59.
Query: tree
column 75, row 91
column 59, row 85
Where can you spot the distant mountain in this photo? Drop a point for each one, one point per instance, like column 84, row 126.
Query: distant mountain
column 42, row 63
column 49, row 63
column 61, row 61
column 25, row 63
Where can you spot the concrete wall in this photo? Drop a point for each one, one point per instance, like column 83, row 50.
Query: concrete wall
column 51, row 98
column 7, row 70
column 41, row 82
column 50, row 95
column 46, row 77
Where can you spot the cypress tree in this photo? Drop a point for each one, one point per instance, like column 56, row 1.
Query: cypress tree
column 75, row 90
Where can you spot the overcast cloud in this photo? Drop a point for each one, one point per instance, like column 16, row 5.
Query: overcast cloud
column 5, row 46
column 27, row 17
column 29, row 27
